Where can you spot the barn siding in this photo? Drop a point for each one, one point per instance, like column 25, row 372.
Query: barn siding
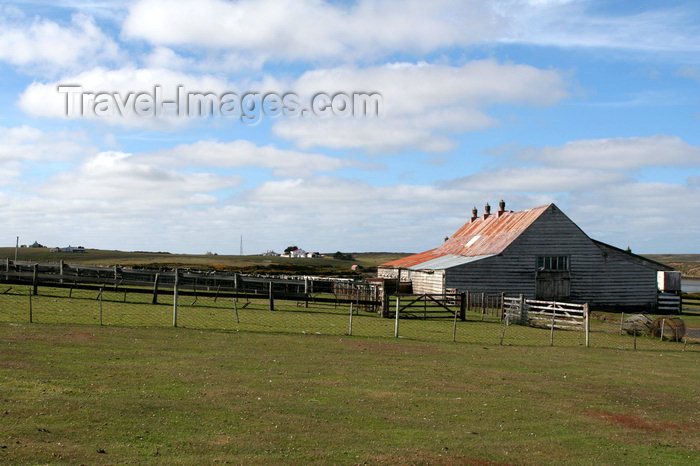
column 427, row 282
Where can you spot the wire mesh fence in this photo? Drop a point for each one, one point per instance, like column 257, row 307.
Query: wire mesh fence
column 430, row 318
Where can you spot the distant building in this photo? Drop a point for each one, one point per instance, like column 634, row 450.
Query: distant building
column 539, row 253
column 69, row 249
column 36, row 244
column 270, row 253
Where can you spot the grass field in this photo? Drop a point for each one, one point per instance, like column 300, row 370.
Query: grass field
column 81, row 394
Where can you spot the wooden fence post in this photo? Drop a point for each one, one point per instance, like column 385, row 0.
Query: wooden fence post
column 462, row 307
column 60, row 269
column 587, row 324
column 272, row 298
column 35, row 279
column 522, row 307
column 177, row 282
column 396, row 322
column 155, row 289
column 663, row 324
column 385, row 303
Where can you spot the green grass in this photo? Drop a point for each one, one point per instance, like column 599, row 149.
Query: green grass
column 53, row 306
column 182, row 396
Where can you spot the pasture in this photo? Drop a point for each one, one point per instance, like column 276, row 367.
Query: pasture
column 90, row 394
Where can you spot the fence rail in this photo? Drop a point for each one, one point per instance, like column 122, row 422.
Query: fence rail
column 344, row 308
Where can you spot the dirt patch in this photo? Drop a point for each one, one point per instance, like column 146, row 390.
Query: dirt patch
column 69, row 337
column 384, row 348
column 637, row 423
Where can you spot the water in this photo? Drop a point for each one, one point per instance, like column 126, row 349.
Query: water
column 690, row 285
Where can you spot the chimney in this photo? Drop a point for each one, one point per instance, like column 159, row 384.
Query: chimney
column 501, row 207
column 446, row 238
column 487, row 209
column 475, row 214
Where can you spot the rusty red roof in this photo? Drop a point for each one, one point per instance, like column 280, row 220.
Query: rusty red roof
column 481, row 237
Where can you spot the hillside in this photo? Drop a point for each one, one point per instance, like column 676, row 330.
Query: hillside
column 326, row 266
column 688, row 264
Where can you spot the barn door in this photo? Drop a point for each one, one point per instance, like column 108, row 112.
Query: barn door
column 553, row 286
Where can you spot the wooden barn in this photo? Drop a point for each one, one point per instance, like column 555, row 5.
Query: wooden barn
column 539, row 253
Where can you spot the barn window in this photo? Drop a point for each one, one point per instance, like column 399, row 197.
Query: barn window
column 554, row 263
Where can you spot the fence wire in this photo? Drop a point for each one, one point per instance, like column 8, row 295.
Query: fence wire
column 477, row 323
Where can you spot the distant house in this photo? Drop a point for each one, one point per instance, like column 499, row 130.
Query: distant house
column 539, row 253
column 297, row 253
column 69, row 249
column 270, row 253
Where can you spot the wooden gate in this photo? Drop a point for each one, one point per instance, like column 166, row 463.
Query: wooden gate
column 432, row 306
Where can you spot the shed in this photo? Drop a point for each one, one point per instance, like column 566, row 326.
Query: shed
column 539, row 253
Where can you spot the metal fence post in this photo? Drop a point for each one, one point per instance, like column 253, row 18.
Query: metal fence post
column 454, row 328
column 505, row 324
column 587, row 324
column 177, row 280
column 503, row 303
column 272, row 299
column 551, row 331
column 396, row 322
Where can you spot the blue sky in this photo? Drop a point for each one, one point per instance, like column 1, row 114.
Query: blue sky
column 591, row 105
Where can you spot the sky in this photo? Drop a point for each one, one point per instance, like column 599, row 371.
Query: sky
column 591, row 105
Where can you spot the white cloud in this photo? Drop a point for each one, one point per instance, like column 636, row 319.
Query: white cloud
column 423, row 104
column 284, row 163
column 43, row 99
column 312, row 30
column 289, row 30
column 623, row 153
column 44, row 46
column 23, row 145
column 117, row 180
column 540, row 179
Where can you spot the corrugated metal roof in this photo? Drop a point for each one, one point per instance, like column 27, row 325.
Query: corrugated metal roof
column 445, row 262
column 481, row 237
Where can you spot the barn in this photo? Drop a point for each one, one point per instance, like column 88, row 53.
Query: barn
column 539, row 253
